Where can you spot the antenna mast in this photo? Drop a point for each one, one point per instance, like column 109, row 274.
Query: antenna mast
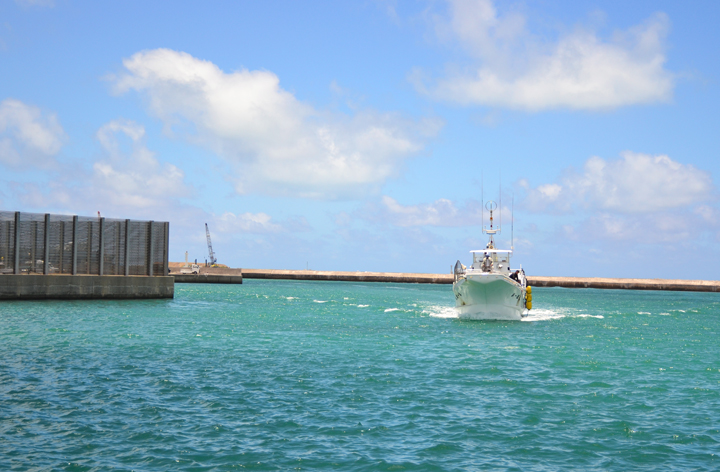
column 491, row 206
column 482, row 200
column 512, row 223
column 213, row 261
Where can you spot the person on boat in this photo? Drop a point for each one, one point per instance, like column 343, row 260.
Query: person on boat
column 515, row 276
column 486, row 263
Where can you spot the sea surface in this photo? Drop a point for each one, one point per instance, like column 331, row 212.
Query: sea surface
column 290, row 375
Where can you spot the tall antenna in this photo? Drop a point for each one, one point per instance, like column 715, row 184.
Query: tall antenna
column 512, row 223
column 500, row 206
column 482, row 200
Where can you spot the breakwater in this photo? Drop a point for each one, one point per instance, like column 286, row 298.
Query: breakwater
column 206, row 275
column 207, row 279
column 567, row 282
column 627, row 284
column 348, row 276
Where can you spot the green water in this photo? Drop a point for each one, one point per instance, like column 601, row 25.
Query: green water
column 274, row 375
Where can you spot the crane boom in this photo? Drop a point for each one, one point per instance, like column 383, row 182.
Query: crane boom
column 213, row 261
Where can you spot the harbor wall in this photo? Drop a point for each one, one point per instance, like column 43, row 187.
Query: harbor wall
column 207, row 275
column 347, row 276
column 84, row 287
column 207, row 279
column 566, row 282
column 627, row 284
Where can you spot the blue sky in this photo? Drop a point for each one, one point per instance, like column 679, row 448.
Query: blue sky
column 363, row 135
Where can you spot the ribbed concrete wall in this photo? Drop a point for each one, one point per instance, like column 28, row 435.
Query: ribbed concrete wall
column 208, row 279
column 627, row 284
column 567, row 282
column 80, row 287
column 348, row 276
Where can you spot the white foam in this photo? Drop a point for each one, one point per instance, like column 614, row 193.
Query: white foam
column 643, row 313
column 451, row 312
column 442, row 311
column 363, row 306
column 320, row 301
column 391, row 309
column 536, row 314
column 540, row 314
column 291, row 298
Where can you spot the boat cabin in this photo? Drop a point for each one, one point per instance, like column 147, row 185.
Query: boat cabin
column 492, row 260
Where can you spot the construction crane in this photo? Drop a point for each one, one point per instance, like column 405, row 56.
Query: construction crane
column 213, row 260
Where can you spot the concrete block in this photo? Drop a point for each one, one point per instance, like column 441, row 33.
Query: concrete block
column 84, row 287
column 207, row 279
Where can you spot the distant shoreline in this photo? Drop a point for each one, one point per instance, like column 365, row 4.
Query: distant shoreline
column 419, row 278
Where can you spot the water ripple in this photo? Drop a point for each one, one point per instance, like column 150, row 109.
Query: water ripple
column 278, row 381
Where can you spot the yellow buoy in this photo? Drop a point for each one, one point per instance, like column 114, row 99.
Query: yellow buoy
column 528, row 298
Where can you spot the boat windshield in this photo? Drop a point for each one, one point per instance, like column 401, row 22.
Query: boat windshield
column 497, row 257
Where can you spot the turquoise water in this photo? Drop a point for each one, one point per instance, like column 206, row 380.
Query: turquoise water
column 275, row 375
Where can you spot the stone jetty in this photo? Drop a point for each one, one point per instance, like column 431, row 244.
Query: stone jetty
column 566, row 282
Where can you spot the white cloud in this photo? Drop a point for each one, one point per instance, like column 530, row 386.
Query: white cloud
column 549, row 192
column 442, row 212
column 128, row 181
column 637, row 199
column 708, row 214
column 28, row 137
column 635, row 183
column 247, row 223
column 579, row 71
column 133, row 178
column 281, row 146
column 656, row 228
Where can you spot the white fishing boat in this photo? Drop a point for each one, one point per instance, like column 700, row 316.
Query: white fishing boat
column 490, row 289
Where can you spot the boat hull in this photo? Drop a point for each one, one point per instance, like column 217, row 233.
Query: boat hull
column 489, row 297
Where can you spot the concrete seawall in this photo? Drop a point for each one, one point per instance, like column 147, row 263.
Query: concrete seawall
column 348, row 276
column 207, row 279
column 208, row 275
column 627, row 284
column 84, row 287
column 567, row 282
